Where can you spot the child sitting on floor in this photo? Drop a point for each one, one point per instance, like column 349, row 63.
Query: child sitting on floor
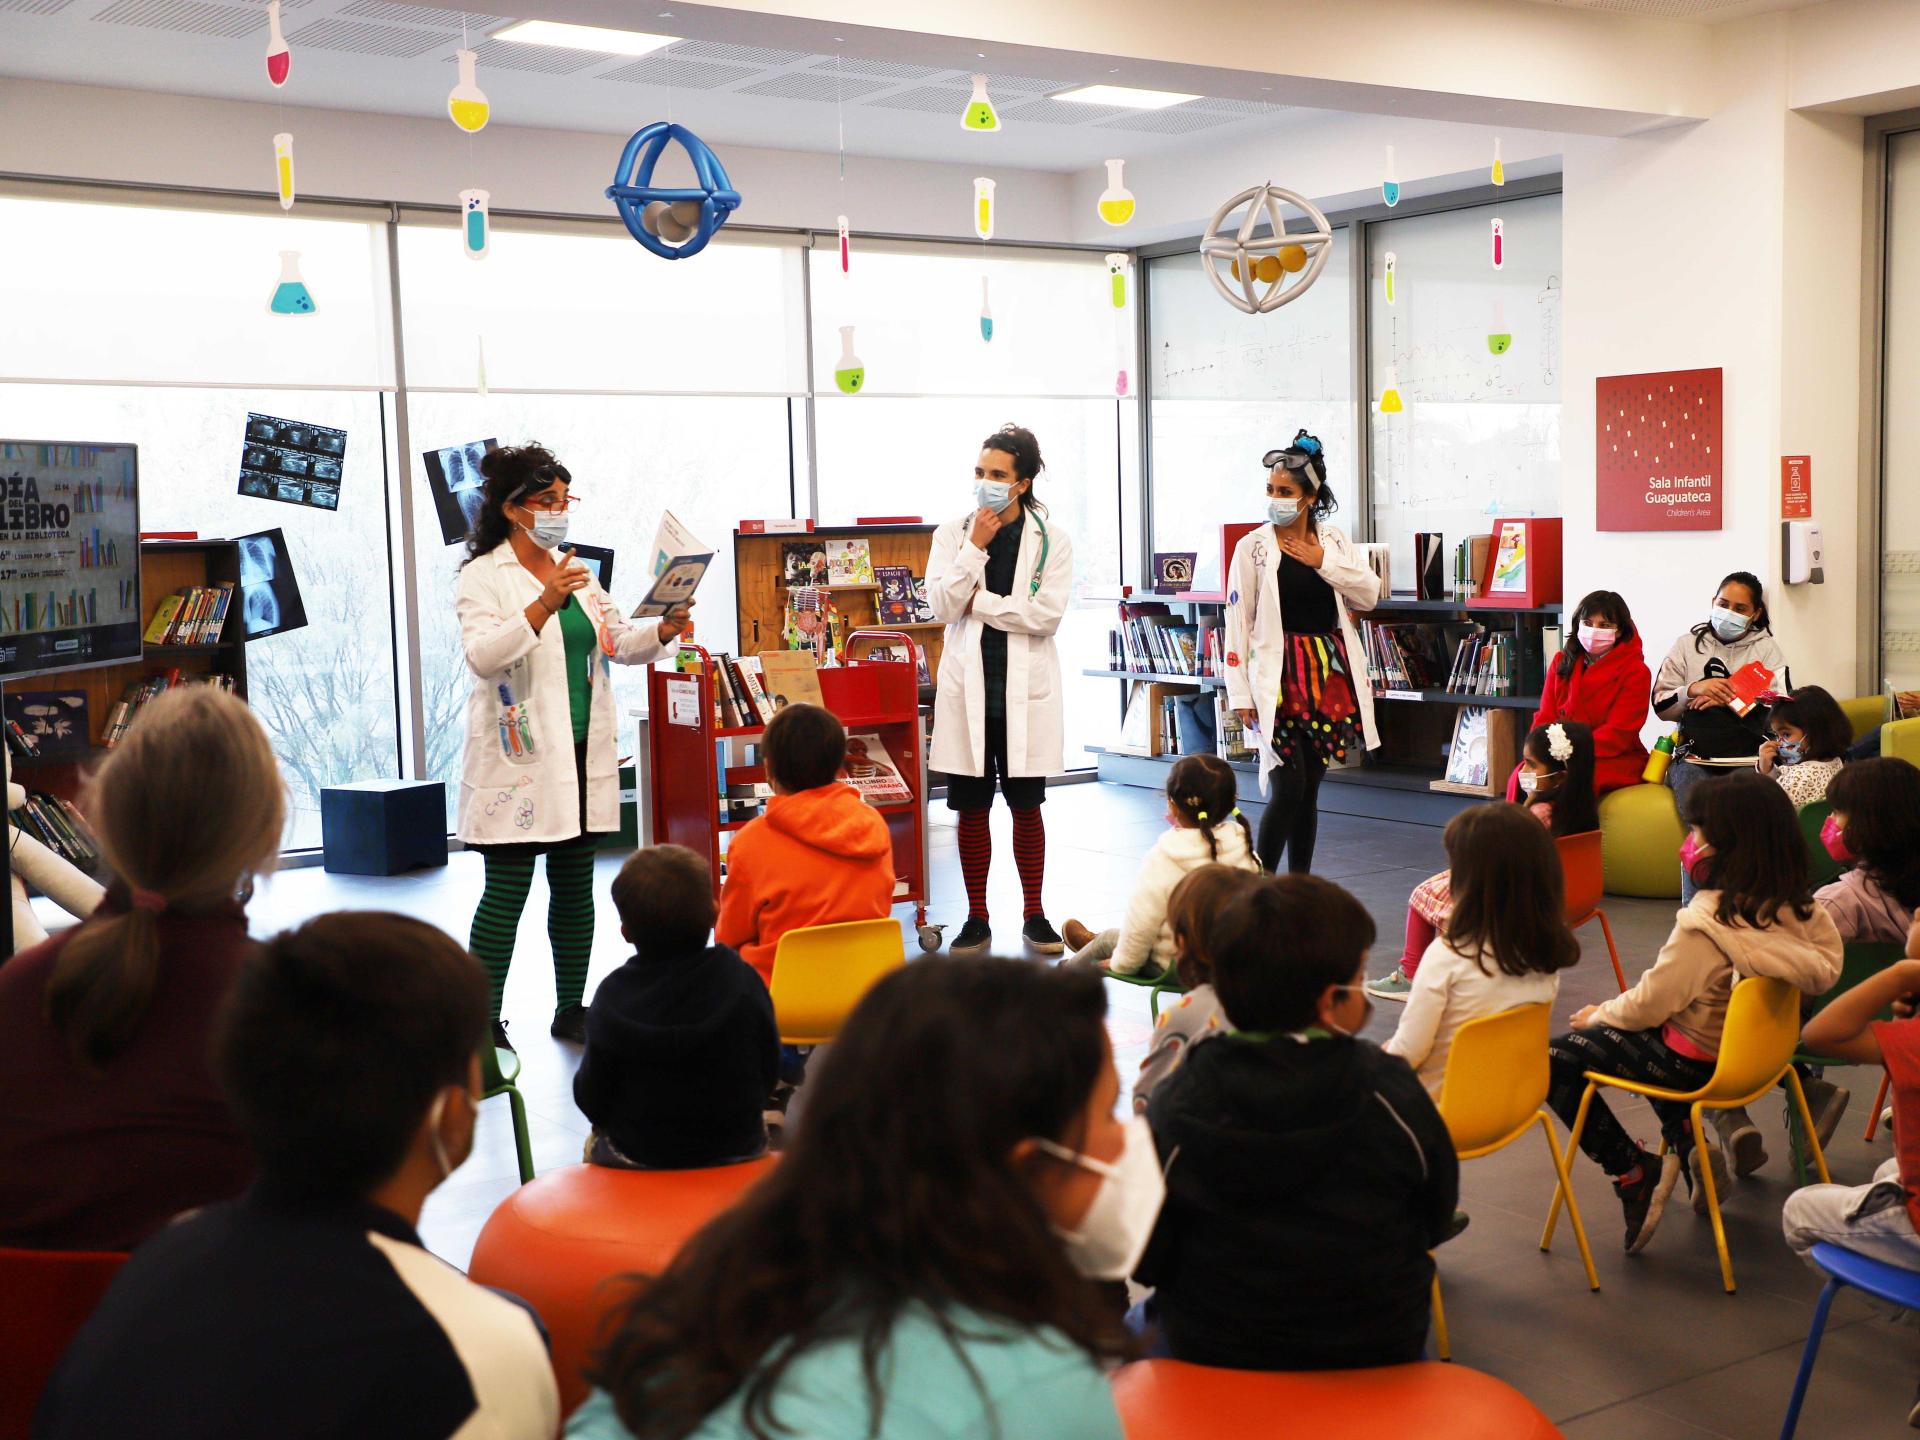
column 1505, row 942
column 1811, row 734
column 682, row 1051
column 1192, row 910
column 1875, row 826
column 1556, row 785
column 1200, row 803
column 1753, row 915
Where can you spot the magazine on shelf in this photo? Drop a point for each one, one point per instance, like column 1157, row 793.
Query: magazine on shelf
column 871, row 771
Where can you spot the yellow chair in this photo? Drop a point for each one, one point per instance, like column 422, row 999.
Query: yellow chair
column 1864, row 713
column 820, row 973
column 1495, row 1091
column 1900, row 739
column 1762, row 1032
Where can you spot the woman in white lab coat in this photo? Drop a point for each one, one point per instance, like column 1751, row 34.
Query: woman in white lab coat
column 540, row 776
column 1000, row 577
column 1295, row 669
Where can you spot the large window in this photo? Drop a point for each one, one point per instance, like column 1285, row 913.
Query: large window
column 1226, row 387
column 1475, row 355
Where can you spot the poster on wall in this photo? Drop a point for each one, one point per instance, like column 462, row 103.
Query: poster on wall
column 270, row 601
column 1657, row 451
column 453, row 477
column 292, row 461
column 1796, row 487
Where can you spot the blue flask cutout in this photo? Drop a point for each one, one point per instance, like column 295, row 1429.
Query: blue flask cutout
column 291, row 296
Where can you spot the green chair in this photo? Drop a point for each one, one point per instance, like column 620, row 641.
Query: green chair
column 1167, row 982
column 1826, row 869
column 1861, row 961
column 1640, row 835
column 498, row 1070
column 1865, row 713
column 1901, row 740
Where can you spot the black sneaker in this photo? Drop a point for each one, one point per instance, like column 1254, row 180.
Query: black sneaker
column 570, row 1024
column 1644, row 1199
column 974, row 937
column 1042, row 937
column 500, row 1040
column 1457, row 1226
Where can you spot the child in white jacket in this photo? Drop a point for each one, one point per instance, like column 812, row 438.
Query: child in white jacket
column 1200, row 801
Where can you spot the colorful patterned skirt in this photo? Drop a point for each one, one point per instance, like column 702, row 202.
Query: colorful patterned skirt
column 1318, row 713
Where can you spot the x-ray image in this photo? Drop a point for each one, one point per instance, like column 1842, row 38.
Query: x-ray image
column 269, row 594
column 454, row 478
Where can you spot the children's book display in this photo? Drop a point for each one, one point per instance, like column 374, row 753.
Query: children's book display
column 192, row 615
column 871, row 771
column 804, row 562
column 1467, row 758
column 120, row 719
column 790, row 677
column 896, row 605
column 1151, row 638
column 849, row 562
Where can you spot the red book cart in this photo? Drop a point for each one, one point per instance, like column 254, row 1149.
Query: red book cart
column 694, row 759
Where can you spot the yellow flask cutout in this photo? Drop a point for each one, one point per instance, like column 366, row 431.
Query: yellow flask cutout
column 283, row 168
column 1499, row 165
column 983, row 207
column 1116, row 201
column 1390, row 401
column 467, row 102
column 979, row 114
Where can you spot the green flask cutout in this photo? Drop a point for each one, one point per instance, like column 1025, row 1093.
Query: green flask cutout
column 850, row 375
column 1499, row 338
column 980, row 114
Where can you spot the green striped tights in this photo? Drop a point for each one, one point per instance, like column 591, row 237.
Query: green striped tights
column 569, row 917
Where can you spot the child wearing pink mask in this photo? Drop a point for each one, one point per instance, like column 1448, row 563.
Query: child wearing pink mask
column 1876, row 823
column 1602, row 681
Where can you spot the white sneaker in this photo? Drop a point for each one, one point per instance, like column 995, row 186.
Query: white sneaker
column 1740, row 1138
column 1722, row 1181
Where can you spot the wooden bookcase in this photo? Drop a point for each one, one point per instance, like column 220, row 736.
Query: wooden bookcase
column 165, row 566
column 760, row 587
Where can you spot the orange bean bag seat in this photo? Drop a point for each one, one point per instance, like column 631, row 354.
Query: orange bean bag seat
column 559, row 1241
column 1171, row 1400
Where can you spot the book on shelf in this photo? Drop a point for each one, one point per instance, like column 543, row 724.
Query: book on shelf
column 756, row 687
column 871, row 771
column 192, row 615
column 922, row 606
column 1409, row 656
column 1151, row 638
column 1467, row 761
column 895, row 605
column 790, row 677
column 849, row 562
column 58, row 825
column 140, row 692
column 803, row 562
column 1234, row 741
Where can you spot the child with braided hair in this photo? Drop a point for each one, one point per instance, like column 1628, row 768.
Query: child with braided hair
column 1205, row 827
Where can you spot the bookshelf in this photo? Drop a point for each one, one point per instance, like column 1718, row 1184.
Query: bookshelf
column 165, row 566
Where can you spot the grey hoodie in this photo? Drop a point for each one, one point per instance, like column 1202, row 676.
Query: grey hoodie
column 1714, row 657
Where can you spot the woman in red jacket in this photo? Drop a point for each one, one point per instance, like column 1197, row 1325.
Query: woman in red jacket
column 1601, row 680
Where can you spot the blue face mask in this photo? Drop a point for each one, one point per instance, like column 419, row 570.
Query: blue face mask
column 1788, row 753
column 1283, row 512
column 548, row 530
column 992, row 495
column 1727, row 624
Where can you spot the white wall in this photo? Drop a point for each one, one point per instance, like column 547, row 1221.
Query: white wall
column 94, row 133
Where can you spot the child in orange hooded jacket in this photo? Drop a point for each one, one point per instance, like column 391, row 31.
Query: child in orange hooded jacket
column 819, row 856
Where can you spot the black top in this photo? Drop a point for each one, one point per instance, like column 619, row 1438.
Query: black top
column 682, row 1053
column 1306, row 1182
column 268, row 1315
column 1003, row 557
column 1306, row 599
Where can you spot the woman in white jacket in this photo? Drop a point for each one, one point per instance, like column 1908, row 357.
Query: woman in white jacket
column 1290, row 643
column 540, row 776
column 1000, row 578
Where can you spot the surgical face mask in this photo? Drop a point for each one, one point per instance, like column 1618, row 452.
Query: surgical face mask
column 1691, row 860
column 1835, row 841
column 549, row 529
column 1728, row 625
column 441, row 1160
column 1789, row 753
column 1529, row 782
column 1596, row 641
column 994, row 495
column 1366, row 1015
column 1113, row 1234
column 1283, row 512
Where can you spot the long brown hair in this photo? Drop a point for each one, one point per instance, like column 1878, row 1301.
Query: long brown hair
column 1201, row 790
column 1759, row 862
column 898, row 1193
column 1509, row 897
column 1193, row 907
column 188, row 806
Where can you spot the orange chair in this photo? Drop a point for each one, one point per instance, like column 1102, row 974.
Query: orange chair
column 561, row 1242
column 1171, row 1400
column 1586, row 882
column 48, row 1296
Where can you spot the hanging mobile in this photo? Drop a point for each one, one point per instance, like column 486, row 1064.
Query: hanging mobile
column 1389, row 185
column 291, row 296
column 850, row 374
column 1499, row 338
column 1390, row 401
column 283, row 168
column 846, row 249
column 1393, row 263
column 1499, row 165
column 476, row 226
column 1116, row 201
column 467, row 103
column 986, row 313
column 980, row 114
column 1499, row 243
column 279, row 57
column 1117, row 294
column 983, row 189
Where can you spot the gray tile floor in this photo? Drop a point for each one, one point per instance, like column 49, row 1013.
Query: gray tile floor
column 1659, row 1352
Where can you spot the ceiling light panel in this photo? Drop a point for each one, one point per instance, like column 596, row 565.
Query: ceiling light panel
column 596, row 38
column 1124, row 95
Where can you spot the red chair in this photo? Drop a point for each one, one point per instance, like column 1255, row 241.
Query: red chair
column 1171, row 1400
column 561, row 1241
column 1586, row 882
column 45, row 1297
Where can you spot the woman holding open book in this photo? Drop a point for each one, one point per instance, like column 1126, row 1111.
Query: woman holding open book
column 1290, row 646
column 540, row 776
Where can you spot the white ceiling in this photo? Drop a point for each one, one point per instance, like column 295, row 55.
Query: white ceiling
column 385, row 57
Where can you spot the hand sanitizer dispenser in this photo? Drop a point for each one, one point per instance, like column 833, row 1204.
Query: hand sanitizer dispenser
column 1801, row 560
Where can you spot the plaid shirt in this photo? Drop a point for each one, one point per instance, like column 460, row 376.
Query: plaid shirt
column 1003, row 556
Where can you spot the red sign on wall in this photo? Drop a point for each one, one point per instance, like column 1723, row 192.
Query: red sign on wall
column 1796, row 487
column 1657, row 451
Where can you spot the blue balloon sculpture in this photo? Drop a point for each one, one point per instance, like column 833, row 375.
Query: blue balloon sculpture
column 633, row 190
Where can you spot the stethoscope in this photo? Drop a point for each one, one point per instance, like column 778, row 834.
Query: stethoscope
column 1039, row 565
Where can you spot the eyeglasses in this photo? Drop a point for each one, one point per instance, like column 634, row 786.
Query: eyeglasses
column 552, row 505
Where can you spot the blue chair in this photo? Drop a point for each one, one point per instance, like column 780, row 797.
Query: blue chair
column 1874, row 1277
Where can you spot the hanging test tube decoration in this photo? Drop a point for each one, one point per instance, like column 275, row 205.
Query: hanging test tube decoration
column 283, row 168
column 279, row 57
column 1390, row 401
column 986, row 313
column 1499, row 165
column 476, row 225
column 1390, row 182
column 291, row 296
column 846, row 247
column 467, row 103
column 1117, row 294
column 1499, row 242
column 849, row 374
column 1393, row 277
column 980, row 114
column 983, row 207
column 1499, row 338
column 1116, row 201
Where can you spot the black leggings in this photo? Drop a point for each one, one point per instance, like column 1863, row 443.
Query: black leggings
column 1292, row 817
column 1631, row 1055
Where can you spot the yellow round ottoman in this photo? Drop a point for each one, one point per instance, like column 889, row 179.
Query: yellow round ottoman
column 1640, row 835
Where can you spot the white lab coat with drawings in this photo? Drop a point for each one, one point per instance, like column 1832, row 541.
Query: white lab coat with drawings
column 956, row 576
column 1256, row 630
column 517, row 793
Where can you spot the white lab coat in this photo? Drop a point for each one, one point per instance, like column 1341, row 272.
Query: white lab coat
column 956, row 574
column 508, row 796
column 1256, row 630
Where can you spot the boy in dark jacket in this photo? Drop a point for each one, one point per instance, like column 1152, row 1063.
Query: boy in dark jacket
column 682, row 1049
column 1308, row 1174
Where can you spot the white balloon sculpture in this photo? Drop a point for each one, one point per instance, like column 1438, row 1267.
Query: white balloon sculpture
column 1283, row 265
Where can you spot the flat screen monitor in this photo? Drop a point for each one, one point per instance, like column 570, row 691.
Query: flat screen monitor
column 69, row 555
